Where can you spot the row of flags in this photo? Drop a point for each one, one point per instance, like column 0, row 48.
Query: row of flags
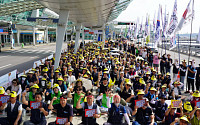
column 165, row 30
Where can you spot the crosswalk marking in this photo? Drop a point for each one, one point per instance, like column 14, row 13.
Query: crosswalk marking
column 31, row 51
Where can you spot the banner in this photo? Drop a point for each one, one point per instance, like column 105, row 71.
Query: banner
column 176, row 103
column 158, row 28
column 90, row 112
column 61, row 121
column 140, row 103
column 35, row 105
column 6, row 79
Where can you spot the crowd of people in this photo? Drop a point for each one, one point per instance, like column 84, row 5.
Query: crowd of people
column 131, row 85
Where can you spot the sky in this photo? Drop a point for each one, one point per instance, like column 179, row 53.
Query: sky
column 138, row 9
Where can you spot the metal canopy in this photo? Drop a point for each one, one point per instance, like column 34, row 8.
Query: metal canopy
column 19, row 7
column 91, row 13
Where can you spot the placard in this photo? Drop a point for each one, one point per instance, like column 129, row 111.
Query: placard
column 140, row 103
column 61, row 121
column 35, row 105
column 90, row 112
column 175, row 103
column 4, row 99
column 197, row 104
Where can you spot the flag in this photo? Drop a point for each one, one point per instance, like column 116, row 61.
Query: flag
column 136, row 30
column 132, row 29
column 129, row 31
column 186, row 18
column 198, row 38
column 157, row 34
column 173, row 21
column 154, row 23
column 148, row 32
column 165, row 24
column 172, row 42
column 125, row 33
column 121, row 32
column 141, row 26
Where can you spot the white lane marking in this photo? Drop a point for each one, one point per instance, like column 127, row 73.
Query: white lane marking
column 5, row 66
column 2, row 56
column 34, row 57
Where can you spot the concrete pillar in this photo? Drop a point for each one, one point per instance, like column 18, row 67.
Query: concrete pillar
column 61, row 28
column 33, row 35
column 46, row 33
column 83, row 35
column 18, row 37
column 78, row 27
column 103, row 36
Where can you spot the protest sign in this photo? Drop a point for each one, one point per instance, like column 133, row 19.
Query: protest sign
column 35, row 105
column 61, row 121
column 175, row 103
column 90, row 112
column 4, row 99
column 197, row 104
column 140, row 103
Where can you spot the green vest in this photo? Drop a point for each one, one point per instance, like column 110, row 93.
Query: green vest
column 76, row 98
column 57, row 101
column 195, row 121
column 104, row 101
column 31, row 96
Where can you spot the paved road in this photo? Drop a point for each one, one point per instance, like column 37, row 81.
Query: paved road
column 23, row 58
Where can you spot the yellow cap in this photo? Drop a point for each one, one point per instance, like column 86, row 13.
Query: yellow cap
column 2, row 91
column 30, row 72
column 164, row 86
column 35, row 86
column 140, row 92
column 154, row 70
column 128, row 83
column 33, row 69
column 137, row 76
column 105, row 69
column 94, row 67
column 60, row 79
column 70, row 70
column 187, row 106
column 43, row 79
column 45, row 69
column 196, row 94
column 13, row 94
column 49, row 84
column 168, row 74
column 146, row 63
column 177, row 83
column 23, row 76
column 105, row 72
column 153, row 78
column 79, row 80
column 57, row 71
column 85, row 76
column 66, row 75
column 184, row 118
column 148, row 73
column 153, row 89
column 159, row 73
column 55, row 86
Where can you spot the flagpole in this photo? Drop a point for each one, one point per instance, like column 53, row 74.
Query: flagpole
column 165, row 45
column 191, row 32
column 178, row 50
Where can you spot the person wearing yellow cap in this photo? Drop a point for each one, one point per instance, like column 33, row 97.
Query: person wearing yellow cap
column 61, row 84
column 126, row 91
column 79, row 84
column 71, row 77
column 14, row 111
column 187, row 108
column 195, row 116
column 139, row 96
column 15, row 86
column 31, row 93
column 39, row 110
column 96, row 76
column 55, row 93
column 163, row 91
column 167, row 80
column 176, row 90
column 140, row 85
column 147, row 77
column 181, row 121
column 43, row 84
column 170, row 114
column 151, row 95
